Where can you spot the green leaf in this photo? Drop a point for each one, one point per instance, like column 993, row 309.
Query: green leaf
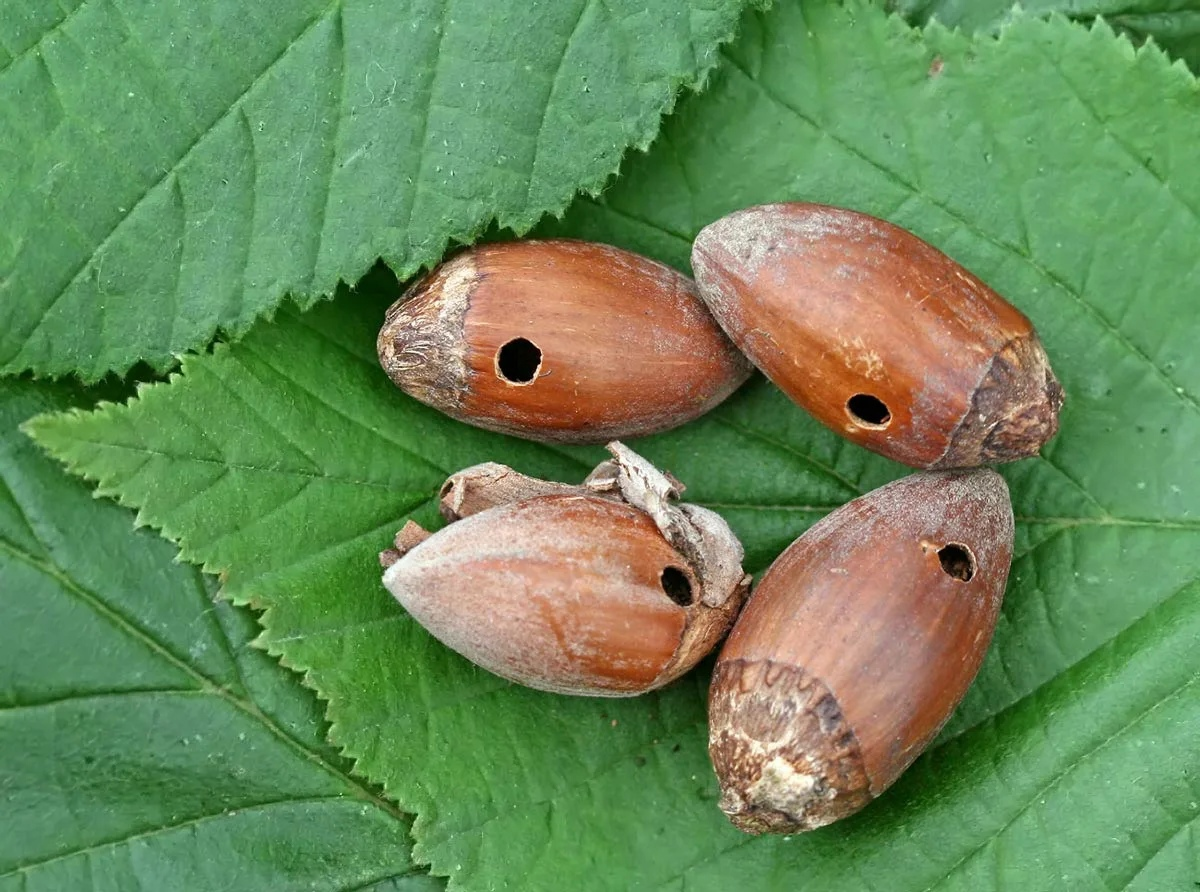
column 144, row 744
column 176, row 168
column 1053, row 163
column 1172, row 24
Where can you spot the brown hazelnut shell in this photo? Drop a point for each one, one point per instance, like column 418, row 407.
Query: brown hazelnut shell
column 855, row 647
column 559, row 341
column 601, row 589
column 879, row 335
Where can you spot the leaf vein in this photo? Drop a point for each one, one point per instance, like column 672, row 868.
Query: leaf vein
column 170, row 172
column 816, row 464
column 9, row 709
column 237, row 466
column 537, row 138
column 1059, row 777
column 58, row 26
column 328, row 404
column 434, row 71
column 311, row 556
column 166, row 828
column 323, row 219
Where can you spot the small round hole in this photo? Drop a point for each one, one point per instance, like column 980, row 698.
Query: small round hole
column 957, row 561
column 518, row 361
column 868, row 410
column 677, row 586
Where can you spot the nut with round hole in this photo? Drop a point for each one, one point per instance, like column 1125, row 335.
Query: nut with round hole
column 879, row 335
column 608, row 589
column 559, row 341
column 855, row 647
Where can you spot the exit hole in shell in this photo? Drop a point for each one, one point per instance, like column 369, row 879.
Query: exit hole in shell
column 869, row 411
column 677, row 586
column 518, row 361
column 957, row 561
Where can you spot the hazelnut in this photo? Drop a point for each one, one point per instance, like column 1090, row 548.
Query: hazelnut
column 605, row 589
column 879, row 335
column 855, row 647
column 559, row 341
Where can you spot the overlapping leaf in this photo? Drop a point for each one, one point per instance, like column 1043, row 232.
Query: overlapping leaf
column 1046, row 163
column 143, row 743
column 1173, row 25
column 177, row 167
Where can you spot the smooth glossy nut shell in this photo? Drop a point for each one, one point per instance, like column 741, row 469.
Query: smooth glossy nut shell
column 559, row 341
column 855, row 648
column 879, row 335
column 566, row 593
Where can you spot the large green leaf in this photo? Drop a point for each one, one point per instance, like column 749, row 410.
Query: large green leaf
column 1173, row 24
column 144, row 744
column 175, row 168
column 1043, row 161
